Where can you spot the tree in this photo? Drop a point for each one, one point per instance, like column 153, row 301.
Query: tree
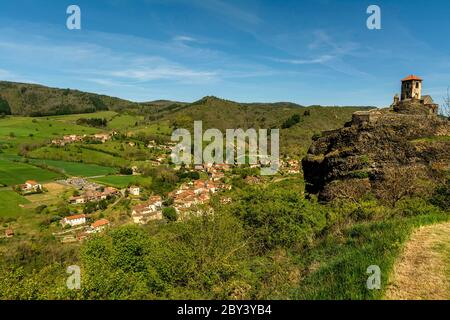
column 170, row 214
column 445, row 108
column 4, row 107
column 398, row 183
column 292, row 121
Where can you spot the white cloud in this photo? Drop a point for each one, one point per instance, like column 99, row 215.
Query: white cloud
column 320, row 60
column 184, row 39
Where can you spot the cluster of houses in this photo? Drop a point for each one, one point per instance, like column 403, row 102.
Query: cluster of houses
column 73, row 138
column 185, row 198
column 81, row 220
column 195, row 193
column 94, row 196
column 148, row 211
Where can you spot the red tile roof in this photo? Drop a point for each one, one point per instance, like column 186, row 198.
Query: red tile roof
column 100, row 223
column 78, row 216
column 412, row 77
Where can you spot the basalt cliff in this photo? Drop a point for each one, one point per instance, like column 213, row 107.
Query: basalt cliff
column 355, row 160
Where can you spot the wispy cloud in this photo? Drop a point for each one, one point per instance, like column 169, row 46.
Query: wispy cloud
column 228, row 10
column 184, row 39
column 320, row 60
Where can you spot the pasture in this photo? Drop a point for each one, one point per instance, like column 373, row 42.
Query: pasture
column 54, row 194
column 77, row 169
column 124, row 121
column 25, row 129
column 11, row 203
column 122, row 181
column 12, row 173
column 77, row 153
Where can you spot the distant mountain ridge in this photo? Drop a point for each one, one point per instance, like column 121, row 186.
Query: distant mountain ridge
column 37, row 100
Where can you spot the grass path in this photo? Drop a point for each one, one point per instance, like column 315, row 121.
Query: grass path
column 423, row 270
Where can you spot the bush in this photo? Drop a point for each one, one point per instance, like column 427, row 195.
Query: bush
column 40, row 209
column 126, row 171
column 93, row 122
column 4, row 107
column 411, row 207
column 441, row 196
column 292, row 121
column 279, row 218
column 170, row 214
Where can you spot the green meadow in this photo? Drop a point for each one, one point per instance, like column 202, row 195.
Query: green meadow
column 76, row 168
column 12, row 173
column 10, row 203
column 26, row 129
column 124, row 121
column 76, row 153
column 122, row 181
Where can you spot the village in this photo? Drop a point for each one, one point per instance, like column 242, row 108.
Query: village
column 86, row 199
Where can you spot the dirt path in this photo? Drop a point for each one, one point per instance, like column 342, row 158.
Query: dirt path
column 423, row 270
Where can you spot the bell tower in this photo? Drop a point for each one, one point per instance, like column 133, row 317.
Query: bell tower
column 411, row 88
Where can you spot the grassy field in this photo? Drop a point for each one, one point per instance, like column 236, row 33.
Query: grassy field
column 75, row 153
column 53, row 194
column 121, row 181
column 25, row 129
column 72, row 118
column 12, row 173
column 161, row 128
column 339, row 263
column 10, row 203
column 76, row 168
column 124, row 121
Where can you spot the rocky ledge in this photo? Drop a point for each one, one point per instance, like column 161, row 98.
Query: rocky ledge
column 355, row 160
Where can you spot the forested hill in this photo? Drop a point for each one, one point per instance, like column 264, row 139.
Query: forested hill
column 36, row 100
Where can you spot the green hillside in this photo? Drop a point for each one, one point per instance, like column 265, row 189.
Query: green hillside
column 295, row 137
column 37, row 100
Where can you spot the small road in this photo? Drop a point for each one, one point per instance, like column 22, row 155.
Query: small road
column 423, row 270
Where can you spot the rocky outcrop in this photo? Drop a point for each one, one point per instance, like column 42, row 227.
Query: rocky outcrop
column 353, row 159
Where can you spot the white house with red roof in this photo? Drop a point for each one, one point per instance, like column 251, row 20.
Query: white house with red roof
column 99, row 226
column 75, row 220
column 31, row 186
column 150, row 210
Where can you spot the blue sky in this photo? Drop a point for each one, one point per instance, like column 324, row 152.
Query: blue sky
column 309, row 52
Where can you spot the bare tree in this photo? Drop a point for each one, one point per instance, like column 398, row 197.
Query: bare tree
column 445, row 107
column 397, row 184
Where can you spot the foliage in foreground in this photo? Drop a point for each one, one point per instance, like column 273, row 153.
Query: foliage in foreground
column 270, row 243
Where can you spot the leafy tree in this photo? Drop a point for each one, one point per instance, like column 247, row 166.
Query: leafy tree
column 170, row 214
column 292, row 121
column 279, row 217
column 441, row 196
column 4, row 107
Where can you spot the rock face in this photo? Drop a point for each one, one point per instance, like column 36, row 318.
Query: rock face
column 354, row 159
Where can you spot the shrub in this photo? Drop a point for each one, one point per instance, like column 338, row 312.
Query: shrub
column 441, row 196
column 126, row 171
column 40, row 209
column 292, row 121
column 279, row 218
column 411, row 207
column 170, row 214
